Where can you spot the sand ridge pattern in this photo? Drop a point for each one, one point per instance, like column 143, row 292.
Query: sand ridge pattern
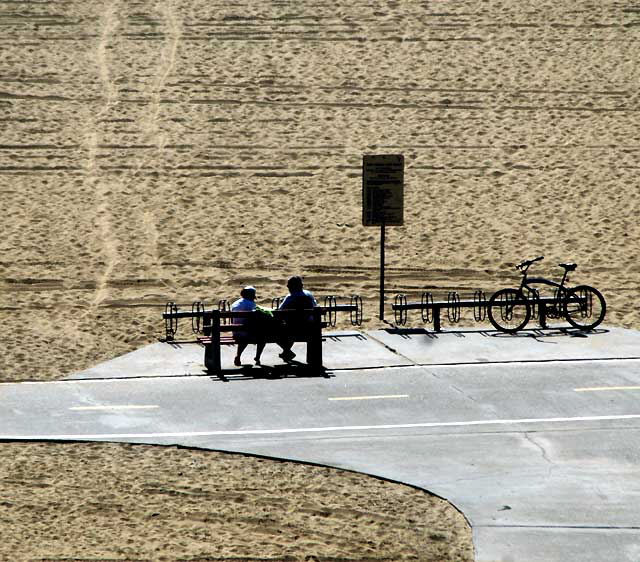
column 155, row 151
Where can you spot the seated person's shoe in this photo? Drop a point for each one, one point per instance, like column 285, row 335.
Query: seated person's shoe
column 287, row 355
column 237, row 362
column 257, row 360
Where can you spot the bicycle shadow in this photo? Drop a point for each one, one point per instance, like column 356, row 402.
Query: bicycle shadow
column 537, row 333
column 533, row 333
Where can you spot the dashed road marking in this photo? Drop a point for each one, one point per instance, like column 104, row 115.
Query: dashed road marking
column 600, row 388
column 114, row 407
column 377, row 397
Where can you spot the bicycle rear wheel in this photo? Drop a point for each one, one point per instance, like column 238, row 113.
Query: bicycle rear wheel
column 508, row 310
column 584, row 307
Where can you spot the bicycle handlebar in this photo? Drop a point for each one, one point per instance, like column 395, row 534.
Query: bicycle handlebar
column 527, row 263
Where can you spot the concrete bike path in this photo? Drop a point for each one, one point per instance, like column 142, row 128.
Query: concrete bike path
column 386, row 348
column 540, row 456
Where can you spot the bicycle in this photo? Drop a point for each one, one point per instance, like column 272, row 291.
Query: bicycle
column 582, row 306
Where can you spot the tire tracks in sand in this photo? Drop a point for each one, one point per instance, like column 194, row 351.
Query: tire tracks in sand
column 103, row 214
column 151, row 129
column 149, row 199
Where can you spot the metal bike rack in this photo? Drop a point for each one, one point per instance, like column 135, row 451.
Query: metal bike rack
column 506, row 311
column 356, row 312
column 170, row 322
column 554, row 311
column 587, row 297
column 330, row 303
column 223, row 306
column 426, row 312
column 197, row 308
column 400, row 312
column 533, row 296
column 431, row 310
column 453, row 310
column 203, row 320
column 276, row 302
column 480, row 305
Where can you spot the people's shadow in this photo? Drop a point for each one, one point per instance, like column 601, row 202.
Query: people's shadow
column 292, row 369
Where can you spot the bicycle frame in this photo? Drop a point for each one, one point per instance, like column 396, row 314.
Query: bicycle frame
column 552, row 310
column 528, row 281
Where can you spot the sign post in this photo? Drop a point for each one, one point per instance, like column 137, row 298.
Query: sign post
column 382, row 199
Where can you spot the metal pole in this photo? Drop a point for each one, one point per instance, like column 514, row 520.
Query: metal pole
column 382, row 233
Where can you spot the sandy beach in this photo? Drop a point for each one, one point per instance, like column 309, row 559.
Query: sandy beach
column 166, row 151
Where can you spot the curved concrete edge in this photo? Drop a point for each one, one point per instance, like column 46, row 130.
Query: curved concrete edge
column 274, row 458
column 578, row 501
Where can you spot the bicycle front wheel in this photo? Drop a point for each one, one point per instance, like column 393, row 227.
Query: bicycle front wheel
column 508, row 310
column 584, row 307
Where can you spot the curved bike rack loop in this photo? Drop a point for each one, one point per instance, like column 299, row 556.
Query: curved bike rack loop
column 356, row 313
column 479, row 306
column 453, row 311
column 330, row 304
column 533, row 296
column 170, row 322
column 555, row 310
column 506, row 311
column 587, row 296
column 197, row 311
column 426, row 310
column 400, row 311
column 223, row 306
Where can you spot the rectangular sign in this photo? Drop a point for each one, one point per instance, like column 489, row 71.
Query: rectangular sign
column 382, row 189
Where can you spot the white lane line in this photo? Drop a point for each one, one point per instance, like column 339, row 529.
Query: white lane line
column 123, row 407
column 377, row 397
column 321, row 429
column 132, row 379
column 600, row 388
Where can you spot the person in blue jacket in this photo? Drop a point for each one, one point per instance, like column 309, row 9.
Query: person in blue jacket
column 297, row 299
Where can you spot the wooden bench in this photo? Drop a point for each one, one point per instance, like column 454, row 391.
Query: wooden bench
column 222, row 334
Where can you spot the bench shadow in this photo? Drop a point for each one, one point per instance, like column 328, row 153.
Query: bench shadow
column 293, row 369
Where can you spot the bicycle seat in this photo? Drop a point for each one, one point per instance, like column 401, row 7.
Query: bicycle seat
column 568, row 266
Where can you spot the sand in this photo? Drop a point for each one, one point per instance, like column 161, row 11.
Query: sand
column 164, row 503
column 156, row 151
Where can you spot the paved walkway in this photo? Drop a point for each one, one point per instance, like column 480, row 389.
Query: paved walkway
column 535, row 438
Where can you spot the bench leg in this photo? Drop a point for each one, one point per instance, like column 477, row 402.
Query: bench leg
column 212, row 357
column 314, row 344
column 436, row 319
column 314, row 353
column 212, row 349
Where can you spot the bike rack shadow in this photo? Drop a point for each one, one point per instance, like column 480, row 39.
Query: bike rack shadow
column 294, row 369
column 550, row 332
column 534, row 333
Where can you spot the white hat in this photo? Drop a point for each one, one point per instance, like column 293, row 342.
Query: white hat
column 248, row 291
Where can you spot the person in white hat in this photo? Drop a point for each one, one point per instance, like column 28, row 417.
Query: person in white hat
column 246, row 303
